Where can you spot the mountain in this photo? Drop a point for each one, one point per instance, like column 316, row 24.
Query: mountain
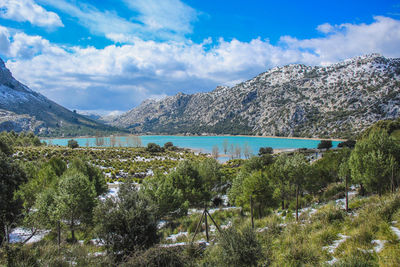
column 22, row 109
column 295, row 100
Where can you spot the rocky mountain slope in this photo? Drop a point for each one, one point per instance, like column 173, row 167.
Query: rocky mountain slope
column 22, row 109
column 295, row 100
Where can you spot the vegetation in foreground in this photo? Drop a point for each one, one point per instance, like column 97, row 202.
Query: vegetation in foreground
column 299, row 204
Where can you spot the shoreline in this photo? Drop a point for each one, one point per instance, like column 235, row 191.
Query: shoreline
column 225, row 135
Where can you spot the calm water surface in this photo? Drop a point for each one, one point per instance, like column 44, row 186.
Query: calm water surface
column 205, row 144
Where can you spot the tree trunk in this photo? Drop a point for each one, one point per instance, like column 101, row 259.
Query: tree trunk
column 297, row 203
column 283, row 204
column 392, row 179
column 362, row 190
column 72, row 231
column 251, row 212
column 347, row 194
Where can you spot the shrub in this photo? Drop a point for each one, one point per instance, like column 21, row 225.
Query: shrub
column 239, row 248
column 158, row 256
column 73, row 143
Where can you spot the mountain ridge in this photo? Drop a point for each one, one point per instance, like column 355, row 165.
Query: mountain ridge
column 296, row 100
column 22, row 109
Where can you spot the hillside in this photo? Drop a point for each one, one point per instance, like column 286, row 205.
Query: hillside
column 22, row 109
column 295, row 100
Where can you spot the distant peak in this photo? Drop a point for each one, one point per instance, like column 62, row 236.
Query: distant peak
column 2, row 65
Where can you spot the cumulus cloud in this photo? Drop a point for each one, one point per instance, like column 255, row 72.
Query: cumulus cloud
column 28, row 10
column 119, row 77
column 347, row 40
column 167, row 19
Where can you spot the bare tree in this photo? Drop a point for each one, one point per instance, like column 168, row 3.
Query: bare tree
column 113, row 141
column 225, row 146
column 246, row 150
column 215, row 152
column 238, row 151
column 231, row 151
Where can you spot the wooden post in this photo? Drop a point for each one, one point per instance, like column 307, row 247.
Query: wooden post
column 251, row 212
column 205, row 220
column 347, row 194
column 297, row 203
column 59, row 235
column 198, row 225
column 216, row 225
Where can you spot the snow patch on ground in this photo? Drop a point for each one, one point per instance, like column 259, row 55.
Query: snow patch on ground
column 173, row 238
column 20, row 234
column 379, row 245
column 331, row 249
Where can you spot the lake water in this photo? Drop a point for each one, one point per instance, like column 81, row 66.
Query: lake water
column 205, row 144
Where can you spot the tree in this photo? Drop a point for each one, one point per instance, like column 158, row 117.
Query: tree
column 215, row 152
column 247, row 150
column 279, row 174
column 168, row 146
column 225, row 146
column 11, row 177
column 298, row 170
column 75, row 200
column 325, row 144
column 238, row 151
column 113, row 141
column 93, row 173
column 73, row 143
column 168, row 199
column 372, row 160
column 126, row 223
column 187, row 178
column 265, row 150
column 153, row 148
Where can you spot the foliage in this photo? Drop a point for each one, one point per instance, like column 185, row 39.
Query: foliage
column 168, row 199
column 128, row 222
column 153, row 148
column 373, row 160
column 265, row 150
column 11, row 177
column 73, row 143
column 325, row 144
column 95, row 175
column 158, row 256
column 238, row 247
column 75, row 199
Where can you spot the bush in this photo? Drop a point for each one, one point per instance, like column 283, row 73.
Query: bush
column 133, row 209
column 325, row 144
column 158, row 256
column 153, row 148
column 239, row 248
column 73, row 143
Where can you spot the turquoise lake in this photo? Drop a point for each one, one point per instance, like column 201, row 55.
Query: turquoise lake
column 206, row 143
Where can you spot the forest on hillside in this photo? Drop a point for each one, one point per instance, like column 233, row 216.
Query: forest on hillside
column 165, row 206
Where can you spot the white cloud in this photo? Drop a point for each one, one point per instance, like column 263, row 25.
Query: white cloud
column 172, row 15
column 381, row 36
column 4, row 41
column 325, row 28
column 167, row 19
column 28, row 10
column 120, row 77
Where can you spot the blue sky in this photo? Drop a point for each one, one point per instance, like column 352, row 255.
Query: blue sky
column 108, row 56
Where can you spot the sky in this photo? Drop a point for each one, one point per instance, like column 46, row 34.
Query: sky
column 108, row 56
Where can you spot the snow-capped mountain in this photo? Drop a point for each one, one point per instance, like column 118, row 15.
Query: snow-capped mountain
column 22, row 109
column 295, row 100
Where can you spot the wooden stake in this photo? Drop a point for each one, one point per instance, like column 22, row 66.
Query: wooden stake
column 205, row 220
column 197, row 228
column 251, row 212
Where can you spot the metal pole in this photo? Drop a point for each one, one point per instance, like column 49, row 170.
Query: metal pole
column 216, row 225
column 205, row 220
